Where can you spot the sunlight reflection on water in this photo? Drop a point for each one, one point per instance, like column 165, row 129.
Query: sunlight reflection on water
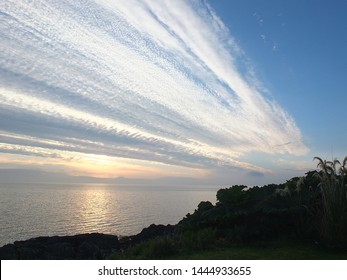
column 43, row 210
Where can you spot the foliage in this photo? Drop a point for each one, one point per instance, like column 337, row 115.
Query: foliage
column 165, row 247
column 197, row 240
column 234, row 195
column 332, row 184
column 274, row 250
column 247, row 215
column 312, row 207
column 310, row 210
column 157, row 248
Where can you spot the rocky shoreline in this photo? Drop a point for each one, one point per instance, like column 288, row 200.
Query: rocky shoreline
column 89, row 246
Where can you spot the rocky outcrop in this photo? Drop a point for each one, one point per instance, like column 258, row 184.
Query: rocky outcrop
column 153, row 231
column 92, row 246
column 147, row 233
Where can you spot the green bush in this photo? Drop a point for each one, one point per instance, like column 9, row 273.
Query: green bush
column 197, row 240
column 157, row 248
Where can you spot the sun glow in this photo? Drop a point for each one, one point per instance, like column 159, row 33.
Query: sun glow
column 139, row 89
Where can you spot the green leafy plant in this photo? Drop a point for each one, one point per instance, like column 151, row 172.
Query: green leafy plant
column 334, row 200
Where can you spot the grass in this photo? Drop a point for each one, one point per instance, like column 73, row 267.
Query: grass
column 270, row 250
column 333, row 190
column 283, row 252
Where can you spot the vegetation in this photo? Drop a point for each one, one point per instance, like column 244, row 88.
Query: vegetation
column 303, row 218
column 332, row 184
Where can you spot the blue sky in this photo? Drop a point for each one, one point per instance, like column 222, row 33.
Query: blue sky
column 222, row 91
column 299, row 51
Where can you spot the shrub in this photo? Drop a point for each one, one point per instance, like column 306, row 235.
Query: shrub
column 198, row 240
column 334, row 200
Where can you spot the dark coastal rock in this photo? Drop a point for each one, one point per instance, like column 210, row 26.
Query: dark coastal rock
column 8, row 252
column 82, row 247
column 150, row 232
column 94, row 246
column 154, row 231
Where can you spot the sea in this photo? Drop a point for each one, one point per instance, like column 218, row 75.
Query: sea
column 32, row 210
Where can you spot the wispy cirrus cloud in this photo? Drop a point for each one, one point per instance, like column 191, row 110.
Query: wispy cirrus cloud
column 145, row 80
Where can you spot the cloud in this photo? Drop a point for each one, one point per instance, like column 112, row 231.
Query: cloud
column 263, row 37
column 157, row 81
column 259, row 19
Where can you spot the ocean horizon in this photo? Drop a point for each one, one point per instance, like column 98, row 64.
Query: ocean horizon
column 51, row 209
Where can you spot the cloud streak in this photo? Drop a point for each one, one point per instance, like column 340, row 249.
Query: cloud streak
column 155, row 81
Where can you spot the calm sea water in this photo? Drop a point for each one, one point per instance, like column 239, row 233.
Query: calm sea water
column 28, row 210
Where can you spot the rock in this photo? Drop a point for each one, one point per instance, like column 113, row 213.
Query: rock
column 82, row 247
column 62, row 251
column 154, row 231
column 148, row 233
column 8, row 252
column 88, row 251
column 92, row 246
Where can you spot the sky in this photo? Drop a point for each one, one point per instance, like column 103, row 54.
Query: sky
column 225, row 92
